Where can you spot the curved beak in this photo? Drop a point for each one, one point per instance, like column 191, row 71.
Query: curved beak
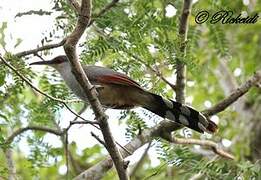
column 41, row 63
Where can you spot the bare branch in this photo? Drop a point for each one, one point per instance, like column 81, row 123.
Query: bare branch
column 57, row 131
column 90, row 91
column 98, row 139
column 81, row 111
column 79, row 116
column 181, row 69
column 37, row 128
column 33, row 12
column 46, row 47
column 214, row 146
column 97, row 171
column 240, row 91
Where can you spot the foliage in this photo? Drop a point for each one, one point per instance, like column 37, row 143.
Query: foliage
column 133, row 37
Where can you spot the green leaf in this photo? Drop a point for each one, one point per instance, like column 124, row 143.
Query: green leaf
column 18, row 42
column 2, row 34
column 2, row 78
column 3, row 117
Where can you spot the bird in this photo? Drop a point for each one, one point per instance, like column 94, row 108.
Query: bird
column 118, row 91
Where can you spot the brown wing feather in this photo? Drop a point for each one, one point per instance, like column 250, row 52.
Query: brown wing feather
column 118, row 79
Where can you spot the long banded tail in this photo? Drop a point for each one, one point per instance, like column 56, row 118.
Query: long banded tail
column 181, row 114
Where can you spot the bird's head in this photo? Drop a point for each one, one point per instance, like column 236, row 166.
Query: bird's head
column 55, row 62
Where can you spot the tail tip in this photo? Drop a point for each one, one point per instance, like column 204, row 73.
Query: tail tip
column 212, row 127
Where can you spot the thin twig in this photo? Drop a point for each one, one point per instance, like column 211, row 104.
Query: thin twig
column 39, row 12
column 214, row 146
column 81, row 111
column 42, row 48
column 37, row 128
column 79, row 116
column 57, row 131
column 98, row 139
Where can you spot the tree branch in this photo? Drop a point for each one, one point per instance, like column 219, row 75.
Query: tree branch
column 181, row 69
column 214, row 146
column 37, row 128
column 90, row 91
column 99, row 139
column 98, row 171
column 34, row 51
column 240, row 91
column 39, row 12
column 57, row 131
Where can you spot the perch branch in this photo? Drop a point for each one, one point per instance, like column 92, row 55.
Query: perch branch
column 90, row 91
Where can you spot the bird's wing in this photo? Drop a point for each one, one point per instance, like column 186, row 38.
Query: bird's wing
column 108, row 76
column 118, row 79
